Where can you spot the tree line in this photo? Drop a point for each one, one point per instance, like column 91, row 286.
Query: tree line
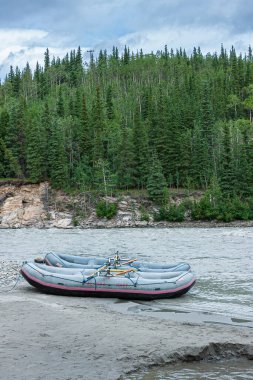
column 146, row 121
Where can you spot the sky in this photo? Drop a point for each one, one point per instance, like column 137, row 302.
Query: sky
column 28, row 27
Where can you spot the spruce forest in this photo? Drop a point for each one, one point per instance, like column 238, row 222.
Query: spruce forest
column 135, row 121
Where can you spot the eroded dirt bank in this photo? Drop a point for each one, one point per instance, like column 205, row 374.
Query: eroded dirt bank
column 53, row 337
column 32, row 205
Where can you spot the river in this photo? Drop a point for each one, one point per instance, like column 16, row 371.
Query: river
column 222, row 259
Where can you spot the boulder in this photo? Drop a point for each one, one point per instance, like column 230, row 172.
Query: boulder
column 63, row 223
column 23, row 206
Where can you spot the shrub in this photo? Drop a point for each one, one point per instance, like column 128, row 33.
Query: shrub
column 225, row 213
column 172, row 213
column 176, row 213
column 226, row 210
column 204, row 210
column 250, row 208
column 241, row 210
column 75, row 222
column 106, row 210
column 144, row 214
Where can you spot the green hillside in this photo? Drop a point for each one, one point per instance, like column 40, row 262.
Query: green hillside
column 144, row 121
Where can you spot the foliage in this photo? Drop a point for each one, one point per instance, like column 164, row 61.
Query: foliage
column 215, row 206
column 106, row 210
column 144, row 214
column 171, row 213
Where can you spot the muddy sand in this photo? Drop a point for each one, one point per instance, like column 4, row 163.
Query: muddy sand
column 66, row 338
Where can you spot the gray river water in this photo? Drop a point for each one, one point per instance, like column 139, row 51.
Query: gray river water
column 222, row 259
column 236, row 369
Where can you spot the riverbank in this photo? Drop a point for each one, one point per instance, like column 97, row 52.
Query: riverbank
column 55, row 337
column 39, row 206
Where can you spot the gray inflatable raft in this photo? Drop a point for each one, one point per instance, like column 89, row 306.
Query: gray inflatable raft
column 71, row 261
column 130, row 285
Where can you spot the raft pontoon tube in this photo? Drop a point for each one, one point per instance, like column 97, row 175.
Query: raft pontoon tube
column 102, row 283
column 71, row 261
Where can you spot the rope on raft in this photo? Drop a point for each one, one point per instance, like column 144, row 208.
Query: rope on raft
column 18, row 279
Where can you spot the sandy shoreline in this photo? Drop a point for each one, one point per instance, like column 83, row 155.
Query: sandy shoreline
column 54, row 337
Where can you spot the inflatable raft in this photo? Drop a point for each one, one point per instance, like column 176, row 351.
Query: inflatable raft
column 71, row 261
column 126, row 283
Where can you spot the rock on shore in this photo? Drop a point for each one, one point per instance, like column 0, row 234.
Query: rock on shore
column 21, row 206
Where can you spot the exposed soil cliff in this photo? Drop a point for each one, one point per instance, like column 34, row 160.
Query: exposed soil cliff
column 37, row 205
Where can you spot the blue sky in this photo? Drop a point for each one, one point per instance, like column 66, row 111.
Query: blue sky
column 28, row 27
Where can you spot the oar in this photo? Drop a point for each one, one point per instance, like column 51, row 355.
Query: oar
column 125, row 263
column 97, row 271
column 125, row 271
column 122, row 270
column 129, row 262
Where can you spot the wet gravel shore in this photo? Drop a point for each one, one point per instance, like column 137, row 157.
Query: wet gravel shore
column 62, row 338
column 9, row 273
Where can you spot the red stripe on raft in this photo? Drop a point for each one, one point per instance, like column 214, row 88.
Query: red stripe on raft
column 105, row 289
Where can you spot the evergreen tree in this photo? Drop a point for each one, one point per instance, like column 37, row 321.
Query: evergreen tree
column 57, row 159
column 109, row 104
column 4, row 123
column 198, row 159
column 227, row 179
column 60, row 104
column 9, row 166
column 98, row 127
column 85, row 139
column 46, row 60
column 141, row 152
column 161, row 132
column 126, row 157
column 156, row 184
column 46, row 129
column 244, row 169
column 15, row 136
column 35, row 150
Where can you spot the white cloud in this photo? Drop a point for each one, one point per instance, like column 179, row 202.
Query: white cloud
column 20, row 36
column 208, row 38
column 19, row 46
column 15, row 43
